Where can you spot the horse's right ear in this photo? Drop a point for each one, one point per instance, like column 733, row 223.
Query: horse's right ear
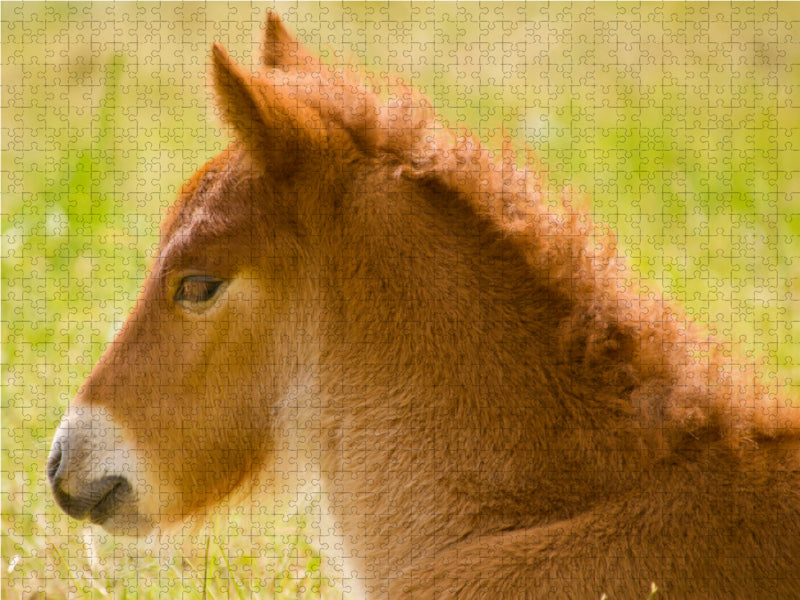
column 281, row 50
column 268, row 118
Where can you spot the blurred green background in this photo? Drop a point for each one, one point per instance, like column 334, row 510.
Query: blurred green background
column 681, row 123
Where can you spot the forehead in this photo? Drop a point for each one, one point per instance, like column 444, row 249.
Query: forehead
column 212, row 198
column 216, row 219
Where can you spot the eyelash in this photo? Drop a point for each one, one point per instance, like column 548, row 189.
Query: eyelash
column 197, row 289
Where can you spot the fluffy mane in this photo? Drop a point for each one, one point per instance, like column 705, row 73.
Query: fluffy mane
column 636, row 349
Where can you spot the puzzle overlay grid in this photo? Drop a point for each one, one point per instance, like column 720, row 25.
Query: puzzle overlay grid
column 678, row 126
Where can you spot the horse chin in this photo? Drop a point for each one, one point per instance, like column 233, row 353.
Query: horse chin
column 128, row 524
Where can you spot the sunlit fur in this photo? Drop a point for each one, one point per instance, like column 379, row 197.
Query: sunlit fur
column 495, row 408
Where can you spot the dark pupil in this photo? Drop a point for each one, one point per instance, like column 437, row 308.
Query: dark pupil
column 197, row 288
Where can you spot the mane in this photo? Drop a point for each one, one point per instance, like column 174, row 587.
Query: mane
column 621, row 339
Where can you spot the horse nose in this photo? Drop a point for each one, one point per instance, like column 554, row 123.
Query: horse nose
column 55, row 475
column 54, row 464
column 96, row 499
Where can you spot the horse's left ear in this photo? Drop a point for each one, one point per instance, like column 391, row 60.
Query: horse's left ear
column 281, row 50
column 267, row 115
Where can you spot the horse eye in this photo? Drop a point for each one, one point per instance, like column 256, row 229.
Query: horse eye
column 197, row 288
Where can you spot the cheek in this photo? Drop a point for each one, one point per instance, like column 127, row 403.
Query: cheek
column 205, row 439
column 222, row 412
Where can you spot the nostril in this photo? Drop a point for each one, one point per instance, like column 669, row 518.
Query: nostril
column 54, row 463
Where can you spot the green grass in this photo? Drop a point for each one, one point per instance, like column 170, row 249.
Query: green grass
column 680, row 123
column 86, row 563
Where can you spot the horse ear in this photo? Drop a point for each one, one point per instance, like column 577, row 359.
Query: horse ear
column 282, row 50
column 271, row 123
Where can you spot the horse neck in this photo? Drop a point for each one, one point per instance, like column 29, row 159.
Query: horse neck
column 422, row 288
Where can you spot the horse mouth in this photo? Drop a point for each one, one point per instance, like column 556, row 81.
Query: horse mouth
column 99, row 500
column 118, row 494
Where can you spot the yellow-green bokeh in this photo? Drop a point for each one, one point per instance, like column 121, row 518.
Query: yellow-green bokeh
column 680, row 123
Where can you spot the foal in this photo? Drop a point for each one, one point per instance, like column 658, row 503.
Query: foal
column 493, row 411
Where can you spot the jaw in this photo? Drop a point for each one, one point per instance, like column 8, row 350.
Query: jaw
column 129, row 524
